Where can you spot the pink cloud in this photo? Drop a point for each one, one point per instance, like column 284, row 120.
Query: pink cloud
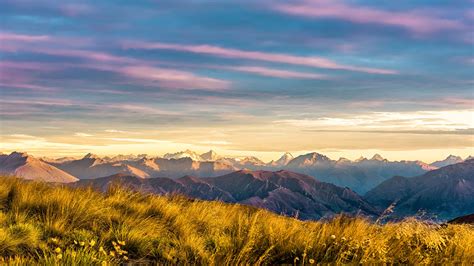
column 141, row 71
column 6, row 36
column 318, row 62
column 28, row 66
column 12, row 42
column 49, row 101
column 415, row 21
column 27, row 86
column 278, row 73
column 73, row 10
column 171, row 78
column 85, row 54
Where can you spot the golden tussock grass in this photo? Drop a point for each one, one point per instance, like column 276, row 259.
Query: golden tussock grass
column 55, row 225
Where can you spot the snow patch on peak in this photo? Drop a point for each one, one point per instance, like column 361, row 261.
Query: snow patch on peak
column 377, row 157
column 183, row 154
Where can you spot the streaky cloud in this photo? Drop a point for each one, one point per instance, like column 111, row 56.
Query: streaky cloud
column 311, row 61
column 413, row 20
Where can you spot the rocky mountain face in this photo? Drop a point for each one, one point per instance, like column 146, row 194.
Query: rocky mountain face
column 282, row 192
column 446, row 193
column 28, row 167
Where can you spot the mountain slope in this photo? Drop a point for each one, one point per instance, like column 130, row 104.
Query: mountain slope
column 91, row 166
column 283, row 160
column 282, row 192
column 29, row 167
column 447, row 192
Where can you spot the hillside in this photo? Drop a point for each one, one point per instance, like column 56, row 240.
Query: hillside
column 447, row 192
column 83, row 227
column 282, row 192
column 29, row 167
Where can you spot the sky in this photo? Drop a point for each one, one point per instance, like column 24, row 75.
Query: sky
column 340, row 77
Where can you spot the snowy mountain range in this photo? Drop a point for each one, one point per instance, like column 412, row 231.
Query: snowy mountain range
column 360, row 175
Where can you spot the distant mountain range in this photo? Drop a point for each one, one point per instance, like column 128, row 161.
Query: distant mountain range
column 322, row 188
column 360, row 175
column 446, row 193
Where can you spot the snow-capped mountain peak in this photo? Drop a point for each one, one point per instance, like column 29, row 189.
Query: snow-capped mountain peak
column 210, row 156
column 377, row 157
column 184, row 154
column 451, row 159
column 284, row 159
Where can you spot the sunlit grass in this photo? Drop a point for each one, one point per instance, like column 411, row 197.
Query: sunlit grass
column 48, row 225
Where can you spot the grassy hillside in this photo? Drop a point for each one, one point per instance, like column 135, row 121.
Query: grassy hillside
column 59, row 225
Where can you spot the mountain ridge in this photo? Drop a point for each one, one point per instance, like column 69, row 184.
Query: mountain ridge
column 447, row 192
column 283, row 192
column 360, row 175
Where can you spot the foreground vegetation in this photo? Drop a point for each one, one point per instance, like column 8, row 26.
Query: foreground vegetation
column 47, row 225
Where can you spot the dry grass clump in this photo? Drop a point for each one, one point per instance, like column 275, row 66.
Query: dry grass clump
column 51, row 225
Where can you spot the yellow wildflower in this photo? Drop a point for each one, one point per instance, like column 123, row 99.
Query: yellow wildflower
column 57, row 250
column 82, row 243
column 92, row 243
column 59, row 256
column 121, row 242
column 333, row 236
column 311, row 261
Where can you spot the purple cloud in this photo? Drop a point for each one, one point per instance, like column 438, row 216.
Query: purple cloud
column 171, row 78
column 141, row 71
column 416, row 21
column 278, row 73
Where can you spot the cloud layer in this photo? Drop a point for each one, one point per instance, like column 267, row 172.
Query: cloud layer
column 257, row 77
